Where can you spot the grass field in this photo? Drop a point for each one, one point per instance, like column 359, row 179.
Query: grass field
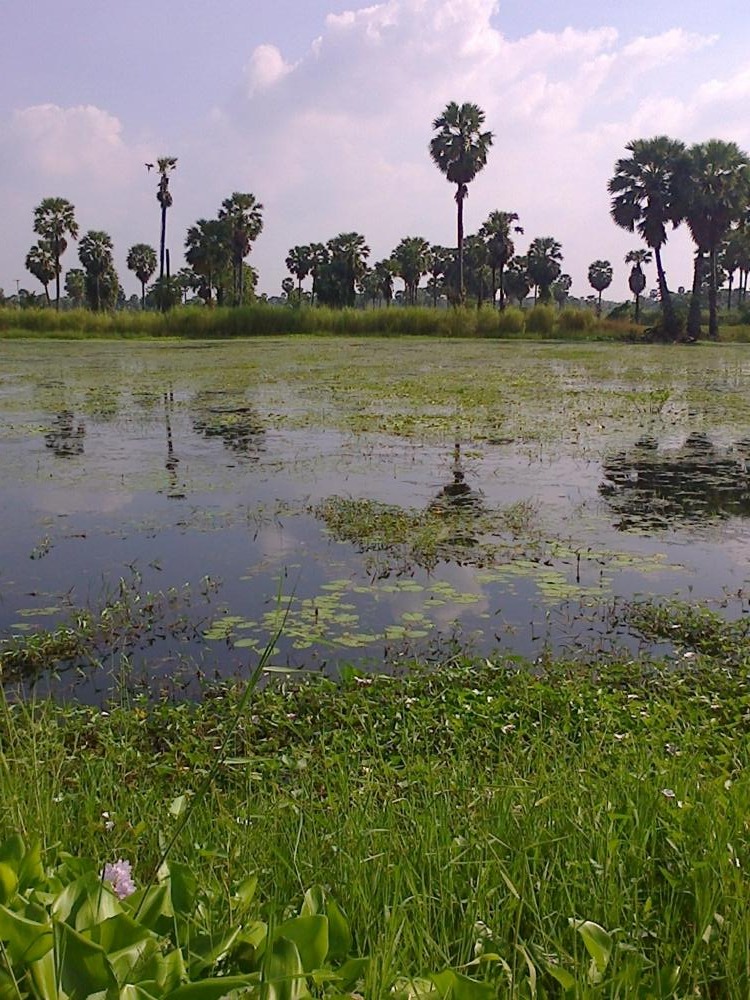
column 479, row 808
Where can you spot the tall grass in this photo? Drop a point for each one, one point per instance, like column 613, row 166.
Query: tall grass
column 265, row 320
column 475, row 801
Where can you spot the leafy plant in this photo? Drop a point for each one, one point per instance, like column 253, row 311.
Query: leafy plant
column 67, row 934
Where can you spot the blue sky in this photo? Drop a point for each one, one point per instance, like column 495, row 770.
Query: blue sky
column 322, row 109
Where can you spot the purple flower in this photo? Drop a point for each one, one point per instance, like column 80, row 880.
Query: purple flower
column 120, row 876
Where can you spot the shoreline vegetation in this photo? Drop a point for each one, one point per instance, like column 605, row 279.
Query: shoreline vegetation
column 474, row 817
column 540, row 322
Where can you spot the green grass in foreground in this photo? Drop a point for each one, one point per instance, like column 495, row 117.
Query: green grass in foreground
column 478, row 802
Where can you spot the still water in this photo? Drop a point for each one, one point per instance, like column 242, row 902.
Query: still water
column 373, row 499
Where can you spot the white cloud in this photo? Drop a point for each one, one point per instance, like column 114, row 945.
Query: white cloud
column 338, row 139
column 64, row 142
column 266, row 67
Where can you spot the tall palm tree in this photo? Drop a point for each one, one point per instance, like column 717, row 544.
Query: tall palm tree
column 165, row 165
column 496, row 231
column 299, row 261
column 600, row 277
column 543, row 264
column 647, row 195
column 411, row 258
column 141, row 260
column 40, row 261
column 459, row 150
column 637, row 279
column 717, row 195
column 53, row 219
column 244, row 217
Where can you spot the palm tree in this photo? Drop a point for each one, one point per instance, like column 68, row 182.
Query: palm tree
column 384, row 272
column 348, row 254
column 141, row 260
column 648, row 194
column 477, row 269
column 717, row 194
column 637, row 279
column 411, row 258
column 561, row 289
column 75, row 286
column 244, row 216
column 95, row 253
column 517, row 283
column 319, row 257
column 208, row 252
column 496, row 231
column 600, row 277
column 543, row 265
column 40, row 261
column 299, row 261
column 440, row 261
column 165, row 165
column 460, row 151
column 53, row 219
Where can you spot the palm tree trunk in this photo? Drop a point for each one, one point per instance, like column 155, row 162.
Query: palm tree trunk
column 502, row 287
column 460, row 241
column 599, row 305
column 713, row 317
column 163, row 241
column 669, row 319
column 694, row 315
column 57, row 273
column 637, row 305
column 143, row 295
column 494, row 284
column 729, row 292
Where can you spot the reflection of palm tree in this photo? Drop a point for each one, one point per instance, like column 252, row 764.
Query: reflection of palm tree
column 457, row 495
column 63, row 437
column 660, row 490
column 172, row 461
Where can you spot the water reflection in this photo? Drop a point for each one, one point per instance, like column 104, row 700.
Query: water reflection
column 237, row 423
column 64, row 437
column 457, row 495
column 461, row 506
column 655, row 490
column 173, row 490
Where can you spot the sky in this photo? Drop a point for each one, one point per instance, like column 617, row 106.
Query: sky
column 323, row 109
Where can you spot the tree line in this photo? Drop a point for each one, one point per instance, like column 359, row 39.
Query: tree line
column 215, row 250
column 658, row 186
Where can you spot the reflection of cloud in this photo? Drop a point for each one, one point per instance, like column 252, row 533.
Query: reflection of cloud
column 66, row 501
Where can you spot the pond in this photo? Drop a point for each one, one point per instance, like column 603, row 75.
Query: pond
column 371, row 498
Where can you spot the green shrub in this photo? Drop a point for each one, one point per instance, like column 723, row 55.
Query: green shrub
column 511, row 320
column 575, row 320
column 541, row 320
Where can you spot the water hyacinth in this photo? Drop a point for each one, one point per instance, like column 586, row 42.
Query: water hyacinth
column 120, row 876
